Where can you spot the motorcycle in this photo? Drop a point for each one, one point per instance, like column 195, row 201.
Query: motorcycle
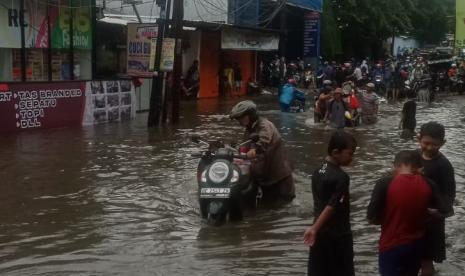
column 457, row 83
column 379, row 86
column 298, row 105
column 308, row 78
column 420, row 89
column 225, row 187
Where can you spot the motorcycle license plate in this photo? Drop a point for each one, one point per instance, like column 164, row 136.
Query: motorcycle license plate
column 215, row 192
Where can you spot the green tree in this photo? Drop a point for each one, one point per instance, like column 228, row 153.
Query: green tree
column 330, row 33
column 363, row 25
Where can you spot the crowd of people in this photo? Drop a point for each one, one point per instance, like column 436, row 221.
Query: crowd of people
column 346, row 106
column 410, row 203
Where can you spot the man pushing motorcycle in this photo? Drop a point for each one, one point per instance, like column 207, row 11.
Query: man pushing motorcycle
column 270, row 168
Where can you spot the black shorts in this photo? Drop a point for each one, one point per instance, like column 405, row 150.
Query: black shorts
column 435, row 242
column 331, row 256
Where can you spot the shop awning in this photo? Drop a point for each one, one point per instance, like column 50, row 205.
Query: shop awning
column 252, row 40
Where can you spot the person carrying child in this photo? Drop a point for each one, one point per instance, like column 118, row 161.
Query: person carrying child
column 403, row 203
column 330, row 236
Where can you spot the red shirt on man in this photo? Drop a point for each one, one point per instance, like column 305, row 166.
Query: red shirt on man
column 405, row 212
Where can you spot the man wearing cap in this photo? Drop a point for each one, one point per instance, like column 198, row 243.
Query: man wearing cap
column 270, row 168
column 369, row 102
column 336, row 110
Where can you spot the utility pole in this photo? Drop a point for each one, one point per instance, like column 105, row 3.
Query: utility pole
column 23, row 40
column 157, row 80
column 164, row 115
column 178, row 16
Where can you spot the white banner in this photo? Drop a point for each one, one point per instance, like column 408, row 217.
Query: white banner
column 167, row 55
column 109, row 101
column 235, row 39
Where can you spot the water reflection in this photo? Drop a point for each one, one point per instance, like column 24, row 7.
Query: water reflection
column 119, row 200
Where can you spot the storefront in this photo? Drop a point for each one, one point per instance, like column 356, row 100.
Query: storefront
column 47, row 69
column 229, row 48
column 46, row 42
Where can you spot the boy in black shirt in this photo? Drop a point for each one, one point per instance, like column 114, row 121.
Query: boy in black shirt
column 330, row 237
column 437, row 168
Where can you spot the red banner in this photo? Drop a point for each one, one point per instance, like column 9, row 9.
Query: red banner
column 41, row 105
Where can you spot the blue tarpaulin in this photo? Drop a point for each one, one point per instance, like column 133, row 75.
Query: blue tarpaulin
column 315, row 5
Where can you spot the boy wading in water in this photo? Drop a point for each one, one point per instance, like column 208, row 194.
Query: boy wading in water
column 402, row 204
column 437, row 168
column 330, row 236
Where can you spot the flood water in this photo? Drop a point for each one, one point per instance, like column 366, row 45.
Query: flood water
column 121, row 200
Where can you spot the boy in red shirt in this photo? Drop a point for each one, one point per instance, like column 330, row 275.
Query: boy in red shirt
column 402, row 204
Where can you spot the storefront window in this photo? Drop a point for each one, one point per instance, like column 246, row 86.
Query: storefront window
column 6, row 65
column 82, row 65
column 36, row 64
column 60, row 65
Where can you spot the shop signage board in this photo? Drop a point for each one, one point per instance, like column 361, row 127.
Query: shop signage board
column 460, row 24
column 44, row 105
column 36, row 25
column 139, row 50
column 41, row 105
column 235, row 39
column 167, row 54
column 10, row 29
column 311, row 35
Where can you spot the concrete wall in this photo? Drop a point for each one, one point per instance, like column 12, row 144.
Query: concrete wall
column 209, row 64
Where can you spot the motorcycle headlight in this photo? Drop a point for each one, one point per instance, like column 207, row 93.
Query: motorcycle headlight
column 203, row 178
column 218, row 172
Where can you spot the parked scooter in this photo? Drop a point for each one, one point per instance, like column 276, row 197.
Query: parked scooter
column 225, row 187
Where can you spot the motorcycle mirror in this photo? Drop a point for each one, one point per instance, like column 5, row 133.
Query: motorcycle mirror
column 254, row 137
column 195, row 139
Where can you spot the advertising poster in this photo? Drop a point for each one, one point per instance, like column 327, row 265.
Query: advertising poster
column 109, row 101
column 82, row 27
column 140, row 37
column 36, row 25
column 41, row 105
column 460, row 25
column 167, row 54
column 311, row 35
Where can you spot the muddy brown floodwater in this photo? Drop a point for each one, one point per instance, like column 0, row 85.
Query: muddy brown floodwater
column 121, row 200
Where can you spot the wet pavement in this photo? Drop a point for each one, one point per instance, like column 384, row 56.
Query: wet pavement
column 121, row 200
